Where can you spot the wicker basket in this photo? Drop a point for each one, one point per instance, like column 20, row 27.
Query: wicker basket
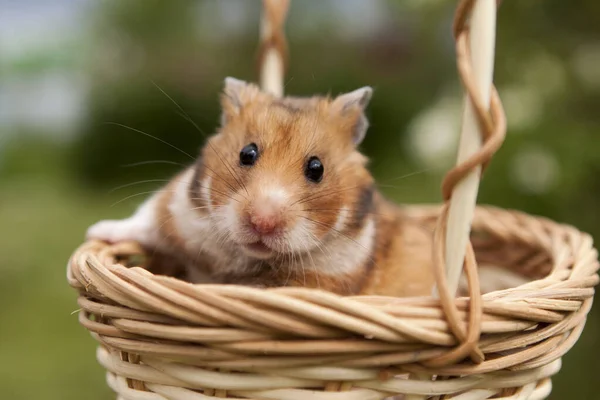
column 162, row 338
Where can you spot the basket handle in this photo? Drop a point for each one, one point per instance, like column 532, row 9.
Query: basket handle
column 273, row 50
column 482, row 134
column 476, row 65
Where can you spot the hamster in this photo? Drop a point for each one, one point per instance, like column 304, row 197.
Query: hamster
column 281, row 196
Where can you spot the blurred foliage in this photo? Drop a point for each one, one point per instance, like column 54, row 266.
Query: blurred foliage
column 138, row 55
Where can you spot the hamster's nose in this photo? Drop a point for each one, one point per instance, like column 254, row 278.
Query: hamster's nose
column 266, row 216
column 264, row 224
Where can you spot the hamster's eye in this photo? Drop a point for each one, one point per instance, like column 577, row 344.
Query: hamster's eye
column 249, row 154
column 314, row 170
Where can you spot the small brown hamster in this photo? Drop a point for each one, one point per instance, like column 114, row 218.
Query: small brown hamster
column 280, row 196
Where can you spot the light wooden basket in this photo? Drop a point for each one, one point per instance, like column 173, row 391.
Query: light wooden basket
column 162, row 338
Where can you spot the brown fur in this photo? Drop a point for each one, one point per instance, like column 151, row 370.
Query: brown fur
column 403, row 255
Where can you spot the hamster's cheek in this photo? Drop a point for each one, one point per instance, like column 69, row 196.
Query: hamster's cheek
column 301, row 236
column 229, row 223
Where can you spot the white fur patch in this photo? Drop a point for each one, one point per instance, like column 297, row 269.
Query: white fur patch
column 229, row 217
column 275, row 194
column 203, row 232
column 343, row 254
column 342, row 217
column 299, row 238
column 205, row 191
column 191, row 226
column 140, row 227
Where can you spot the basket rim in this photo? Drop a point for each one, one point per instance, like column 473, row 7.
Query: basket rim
column 429, row 211
column 545, row 317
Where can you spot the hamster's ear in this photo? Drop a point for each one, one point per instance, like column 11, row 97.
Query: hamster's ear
column 353, row 105
column 236, row 93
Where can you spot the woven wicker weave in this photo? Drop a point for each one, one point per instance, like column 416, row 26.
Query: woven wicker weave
column 162, row 338
column 293, row 340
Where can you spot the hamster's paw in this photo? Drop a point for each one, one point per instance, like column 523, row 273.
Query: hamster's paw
column 119, row 231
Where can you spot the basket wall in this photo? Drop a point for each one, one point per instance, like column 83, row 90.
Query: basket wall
column 162, row 338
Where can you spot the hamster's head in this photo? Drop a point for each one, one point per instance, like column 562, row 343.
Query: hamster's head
column 283, row 175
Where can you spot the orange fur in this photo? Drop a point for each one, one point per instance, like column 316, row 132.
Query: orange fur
column 352, row 240
column 291, row 129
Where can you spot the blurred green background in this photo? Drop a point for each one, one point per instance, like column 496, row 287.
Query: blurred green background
column 67, row 68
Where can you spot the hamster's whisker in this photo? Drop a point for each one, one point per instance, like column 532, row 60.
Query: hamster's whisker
column 170, row 234
column 135, row 195
column 301, row 258
column 305, row 245
column 217, row 192
column 318, row 243
column 203, row 207
column 316, row 210
column 321, row 246
column 221, row 236
column 229, row 169
column 181, row 112
column 292, row 265
column 408, row 175
column 328, row 226
column 314, row 266
column 313, row 135
column 282, row 259
column 136, row 164
column 215, row 206
column 288, row 82
column 200, row 251
column 308, row 251
column 163, row 239
column 291, row 164
column 323, row 210
column 189, row 119
column 309, row 150
column 294, row 259
column 219, row 178
column 138, row 183
column 151, row 136
column 333, row 211
column 321, row 194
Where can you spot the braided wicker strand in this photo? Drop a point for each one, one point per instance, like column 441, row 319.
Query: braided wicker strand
column 273, row 50
column 461, row 184
column 475, row 60
column 492, row 129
